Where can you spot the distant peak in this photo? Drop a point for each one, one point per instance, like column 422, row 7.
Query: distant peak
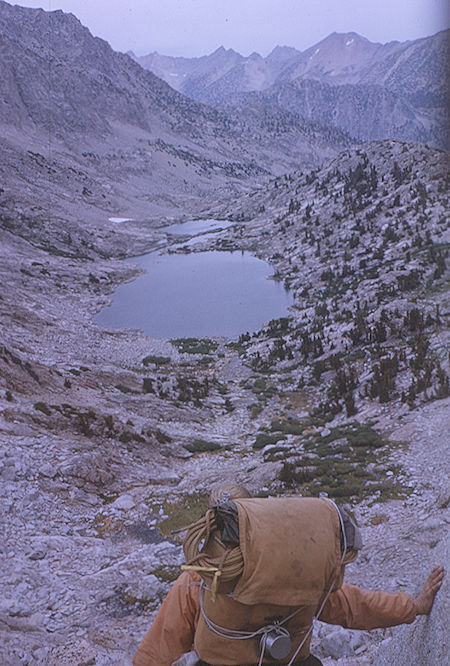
column 280, row 53
column 147, row 56
column 221, row 52
column 342, row 40
column 344, row 35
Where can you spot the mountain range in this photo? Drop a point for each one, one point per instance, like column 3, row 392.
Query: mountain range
column 68, row 97
column 372, row 91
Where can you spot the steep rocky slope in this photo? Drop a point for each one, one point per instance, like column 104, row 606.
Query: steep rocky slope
column 57, row 76
column 369, row 112
column 363, row 244
column 110, row 439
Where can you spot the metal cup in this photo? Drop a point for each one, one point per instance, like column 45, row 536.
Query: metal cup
column 276, row 643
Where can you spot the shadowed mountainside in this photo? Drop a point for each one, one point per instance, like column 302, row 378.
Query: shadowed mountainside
column 61, row 89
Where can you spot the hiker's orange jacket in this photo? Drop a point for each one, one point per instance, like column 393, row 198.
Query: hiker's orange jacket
column 172, row 632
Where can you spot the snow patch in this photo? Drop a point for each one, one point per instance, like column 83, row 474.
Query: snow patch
column 350, row 41
column 118, row 220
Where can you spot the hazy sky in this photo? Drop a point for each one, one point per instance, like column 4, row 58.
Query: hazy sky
column 198, row 27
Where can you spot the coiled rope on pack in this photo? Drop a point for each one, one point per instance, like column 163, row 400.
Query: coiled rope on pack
column 230, row 564
column 227, row 566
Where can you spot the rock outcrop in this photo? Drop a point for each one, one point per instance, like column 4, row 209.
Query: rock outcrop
column 427, row 640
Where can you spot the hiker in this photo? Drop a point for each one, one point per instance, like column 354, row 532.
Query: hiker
column 170, row 639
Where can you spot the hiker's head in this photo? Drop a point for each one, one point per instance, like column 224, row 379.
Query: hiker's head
column 227, row 491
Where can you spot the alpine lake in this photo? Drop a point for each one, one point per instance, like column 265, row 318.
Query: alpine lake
column 197, row 294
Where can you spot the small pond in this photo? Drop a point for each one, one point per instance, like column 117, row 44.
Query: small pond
column 198, row 294
column 196, row 227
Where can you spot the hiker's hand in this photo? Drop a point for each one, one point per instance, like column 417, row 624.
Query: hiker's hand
column 425, row 598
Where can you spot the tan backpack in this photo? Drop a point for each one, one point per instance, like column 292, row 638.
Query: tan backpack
column 258, row 599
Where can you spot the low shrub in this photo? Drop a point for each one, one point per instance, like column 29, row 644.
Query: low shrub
column 289, row 427
column 263, row 439
column 147, row 385
column 156, row 360
column 43, row 407
column 364, row 435
column 125, row 389
column 206, row 360
column 195, row 345
column 291, row 474
column 201, row 445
